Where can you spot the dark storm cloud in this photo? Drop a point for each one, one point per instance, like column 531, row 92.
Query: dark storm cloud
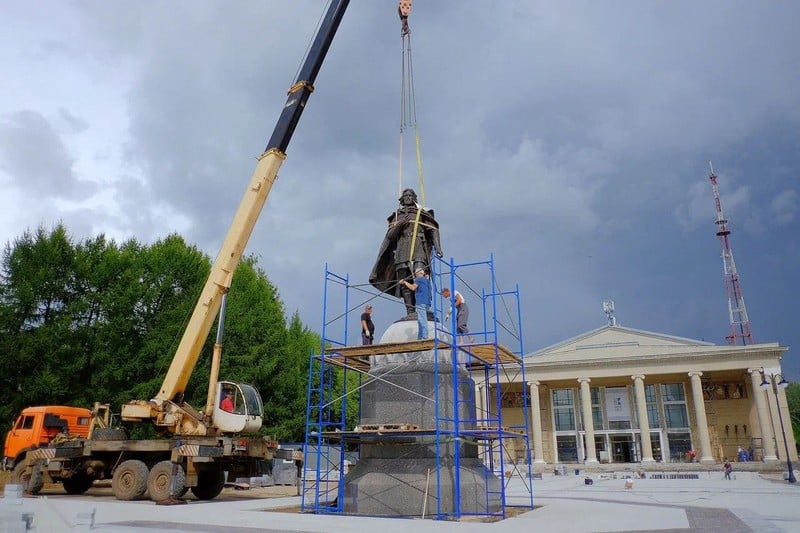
column 570, row 139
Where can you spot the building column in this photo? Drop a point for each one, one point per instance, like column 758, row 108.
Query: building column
column 700, row 417
column 480, row 409
column 588, row 421
column 644, row 422
column 480, row 415
column 762, row 408
column 536, row 423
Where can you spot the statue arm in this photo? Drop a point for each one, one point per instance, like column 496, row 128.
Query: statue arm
column 397, row 222
column 393, row 231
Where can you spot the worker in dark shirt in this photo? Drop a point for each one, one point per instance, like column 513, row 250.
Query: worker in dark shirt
column 367, row 326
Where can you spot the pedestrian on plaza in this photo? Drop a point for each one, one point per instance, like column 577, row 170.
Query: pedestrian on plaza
column 741, row 455
column 727, row 468
column 422, row 298
column 367, row 326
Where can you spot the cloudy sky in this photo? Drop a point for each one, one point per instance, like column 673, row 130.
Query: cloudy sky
column 569, row 139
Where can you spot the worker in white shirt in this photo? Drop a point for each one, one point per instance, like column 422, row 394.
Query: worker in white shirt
column 462, row 312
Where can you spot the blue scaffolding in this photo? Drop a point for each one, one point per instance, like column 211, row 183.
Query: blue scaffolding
column 495, row 372
column 326, row 411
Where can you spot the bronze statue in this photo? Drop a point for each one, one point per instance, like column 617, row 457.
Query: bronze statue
column 412, row 236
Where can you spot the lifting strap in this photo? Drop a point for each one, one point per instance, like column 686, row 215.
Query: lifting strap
column 408, row 115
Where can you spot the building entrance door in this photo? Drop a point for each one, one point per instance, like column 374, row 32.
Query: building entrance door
column 623, row 449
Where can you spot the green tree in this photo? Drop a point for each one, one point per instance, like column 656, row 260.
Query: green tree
column 170, row 275
column 793, row 398
column 302, row 343
column 37, row 279
column 256, row 350
column 97, row 321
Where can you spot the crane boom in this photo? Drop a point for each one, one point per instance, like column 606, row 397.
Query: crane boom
column 219, row 280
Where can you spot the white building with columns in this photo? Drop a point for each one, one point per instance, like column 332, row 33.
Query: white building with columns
column 621, row 395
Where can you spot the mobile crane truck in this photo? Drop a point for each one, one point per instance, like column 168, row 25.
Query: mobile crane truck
column 202, row 444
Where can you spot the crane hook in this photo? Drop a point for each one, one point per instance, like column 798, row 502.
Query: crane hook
column 403, row 10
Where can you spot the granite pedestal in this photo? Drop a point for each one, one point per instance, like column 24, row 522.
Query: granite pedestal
column 398, row 474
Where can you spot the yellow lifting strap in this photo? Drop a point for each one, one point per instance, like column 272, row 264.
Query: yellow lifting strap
column 408, row 115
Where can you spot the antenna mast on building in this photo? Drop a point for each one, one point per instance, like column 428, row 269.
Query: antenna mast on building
column 608, row 309
column 740, row 324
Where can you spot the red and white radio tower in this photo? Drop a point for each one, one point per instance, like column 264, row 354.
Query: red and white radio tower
column 740, row 325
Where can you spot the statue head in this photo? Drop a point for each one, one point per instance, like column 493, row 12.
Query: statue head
column 408, row 198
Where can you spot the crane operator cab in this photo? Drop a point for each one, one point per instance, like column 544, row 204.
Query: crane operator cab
column 238, row 408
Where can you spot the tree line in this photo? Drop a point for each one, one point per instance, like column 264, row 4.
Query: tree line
column 96, row 320
column 793, row 401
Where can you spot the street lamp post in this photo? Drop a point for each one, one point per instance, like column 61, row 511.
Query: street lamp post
column 777, row 380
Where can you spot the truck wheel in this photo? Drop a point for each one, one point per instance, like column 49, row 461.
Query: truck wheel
column 209, row 484
column 20, row 475
column 36, row 481
column 130, row 480
column 159, row 481
column 109, row 434
column 77, row 484
column 29, row 477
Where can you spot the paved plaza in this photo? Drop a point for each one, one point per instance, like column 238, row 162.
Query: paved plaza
column 750, row 502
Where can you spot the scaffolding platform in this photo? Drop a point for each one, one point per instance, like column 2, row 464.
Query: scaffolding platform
column 480, row 353
column 365, row 432
column 387, row 427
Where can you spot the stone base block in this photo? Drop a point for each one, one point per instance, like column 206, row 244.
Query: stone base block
column 410, row 488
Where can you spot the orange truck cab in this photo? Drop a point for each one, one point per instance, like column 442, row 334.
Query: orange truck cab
column 36, row 426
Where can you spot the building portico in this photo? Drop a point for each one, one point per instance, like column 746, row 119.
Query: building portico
column 620, row 395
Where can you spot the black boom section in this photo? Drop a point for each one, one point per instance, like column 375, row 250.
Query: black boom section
column 302, row 88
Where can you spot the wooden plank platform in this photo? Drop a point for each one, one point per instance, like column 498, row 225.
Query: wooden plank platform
column 494, row 432
column 386, row 427
column 357, row 357
column 360, row 363
column 385, row 430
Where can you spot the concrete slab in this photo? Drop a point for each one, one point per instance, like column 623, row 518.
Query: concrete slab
column 598, row 517
column 563, row 503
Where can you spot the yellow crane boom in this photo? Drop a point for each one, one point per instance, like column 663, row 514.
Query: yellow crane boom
column 168, row 409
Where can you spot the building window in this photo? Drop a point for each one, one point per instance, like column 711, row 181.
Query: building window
column 676, row 416
column 597, row 409
column 567, row 448
column 679, row 446
column 563, row 410
column 673, row 392
column 655, row 444
column 674, row 399
column 652, row 406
